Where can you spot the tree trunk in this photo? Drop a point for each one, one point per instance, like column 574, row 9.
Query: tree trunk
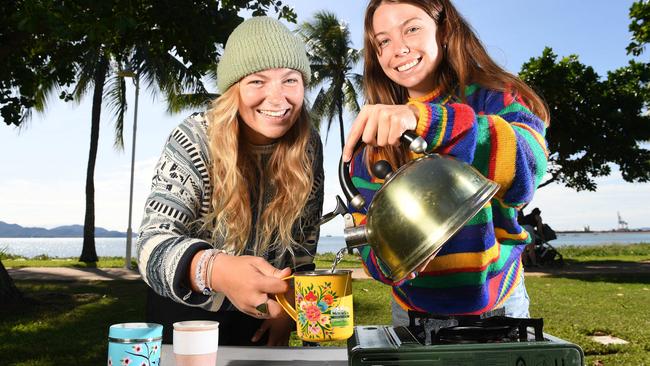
column 88, row 253
column 9, row 293
column 341, row 129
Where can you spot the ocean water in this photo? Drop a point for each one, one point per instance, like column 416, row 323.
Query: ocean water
column 116, row 247
column 105, row 247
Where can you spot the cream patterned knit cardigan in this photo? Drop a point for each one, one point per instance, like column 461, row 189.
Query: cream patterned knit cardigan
column 170, row 232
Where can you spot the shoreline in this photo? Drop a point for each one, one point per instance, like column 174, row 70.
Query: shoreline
column 613, row 231
column 330, row 237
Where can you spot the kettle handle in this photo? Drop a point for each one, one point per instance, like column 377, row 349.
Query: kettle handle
column 416, row 144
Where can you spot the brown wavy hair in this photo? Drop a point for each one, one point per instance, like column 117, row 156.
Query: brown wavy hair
column 233, row 174
column 465, row 61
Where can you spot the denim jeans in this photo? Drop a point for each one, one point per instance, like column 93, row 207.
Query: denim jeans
column 516, row 305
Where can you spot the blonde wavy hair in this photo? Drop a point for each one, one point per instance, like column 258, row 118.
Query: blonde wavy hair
column 233, row 174
column 465, row 61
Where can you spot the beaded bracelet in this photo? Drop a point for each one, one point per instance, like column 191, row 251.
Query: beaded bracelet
column 198, row 275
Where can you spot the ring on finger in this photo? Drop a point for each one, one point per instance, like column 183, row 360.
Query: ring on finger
column 262, row 309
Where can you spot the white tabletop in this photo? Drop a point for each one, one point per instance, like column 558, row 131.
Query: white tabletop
column 273, row 356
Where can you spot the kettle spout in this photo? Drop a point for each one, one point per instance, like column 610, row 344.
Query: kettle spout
column 355, row 236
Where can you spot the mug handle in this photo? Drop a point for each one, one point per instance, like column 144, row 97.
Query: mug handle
column 282, row 300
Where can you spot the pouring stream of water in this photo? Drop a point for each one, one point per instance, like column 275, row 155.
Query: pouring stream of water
column 337, row 258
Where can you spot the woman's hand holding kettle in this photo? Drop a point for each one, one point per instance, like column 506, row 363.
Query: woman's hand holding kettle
column 421, row 268
column 380, row 125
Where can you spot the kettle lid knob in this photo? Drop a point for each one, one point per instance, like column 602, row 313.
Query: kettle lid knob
column 382, row 169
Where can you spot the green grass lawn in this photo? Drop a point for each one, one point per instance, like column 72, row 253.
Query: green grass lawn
column 613, row 252
column 68, row 322
column 578, row 307
column 45, row 261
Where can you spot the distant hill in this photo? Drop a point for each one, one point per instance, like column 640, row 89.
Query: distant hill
column 68, row 231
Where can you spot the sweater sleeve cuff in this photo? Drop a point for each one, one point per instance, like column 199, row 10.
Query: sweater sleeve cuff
column 181, row 286
column 423, row 116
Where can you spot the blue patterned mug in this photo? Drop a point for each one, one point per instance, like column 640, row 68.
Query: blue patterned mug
column 134, row 344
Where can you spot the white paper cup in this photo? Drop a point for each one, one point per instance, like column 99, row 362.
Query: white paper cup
column 196, row 342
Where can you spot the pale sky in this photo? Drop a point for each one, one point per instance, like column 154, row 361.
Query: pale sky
column 44, row 163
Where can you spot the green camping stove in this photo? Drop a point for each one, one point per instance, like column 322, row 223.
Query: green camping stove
column 496, row 341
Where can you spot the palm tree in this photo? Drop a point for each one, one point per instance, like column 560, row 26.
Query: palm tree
column 332, row 59
column 104, row 72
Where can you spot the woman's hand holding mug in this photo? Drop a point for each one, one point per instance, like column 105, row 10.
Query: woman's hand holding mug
column 247, row 281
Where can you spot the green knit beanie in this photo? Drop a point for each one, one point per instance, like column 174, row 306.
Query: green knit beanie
column 257, row 44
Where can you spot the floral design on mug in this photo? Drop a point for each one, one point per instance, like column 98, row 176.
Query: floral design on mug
column 145, row 357
column 314, row 310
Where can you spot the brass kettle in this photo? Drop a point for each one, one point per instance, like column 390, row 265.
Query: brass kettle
column 417, row 209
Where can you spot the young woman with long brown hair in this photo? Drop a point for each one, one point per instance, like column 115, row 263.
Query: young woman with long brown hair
column 237, row 194
column 426, row 71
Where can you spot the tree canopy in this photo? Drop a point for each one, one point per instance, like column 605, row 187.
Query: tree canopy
column 45, row 40
column 35, row 55
column 595, row 121
column 639, row 27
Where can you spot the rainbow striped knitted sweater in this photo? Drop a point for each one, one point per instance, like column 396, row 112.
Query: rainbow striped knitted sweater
column 476, row 270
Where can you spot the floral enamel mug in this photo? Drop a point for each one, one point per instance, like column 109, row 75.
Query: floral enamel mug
column 323, row 305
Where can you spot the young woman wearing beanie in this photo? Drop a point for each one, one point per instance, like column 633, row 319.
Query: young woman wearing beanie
column 237, row 194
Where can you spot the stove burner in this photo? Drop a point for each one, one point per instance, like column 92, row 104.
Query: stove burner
column 475, row 334
column 442, row 329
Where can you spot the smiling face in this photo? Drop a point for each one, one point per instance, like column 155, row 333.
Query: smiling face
column 408, row 49
column 270, row 103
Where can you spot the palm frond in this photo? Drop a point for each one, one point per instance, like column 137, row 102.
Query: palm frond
column 357, row 80
column 115, row 98
column 318, row 107
column 44, row 93
column 354, row 56
column 180, row 102
column 350, row 97
column 167, row 74
column 181, row 85
column 324, row 109
column 86, row 73
column 319, row 74
column 212, row 75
